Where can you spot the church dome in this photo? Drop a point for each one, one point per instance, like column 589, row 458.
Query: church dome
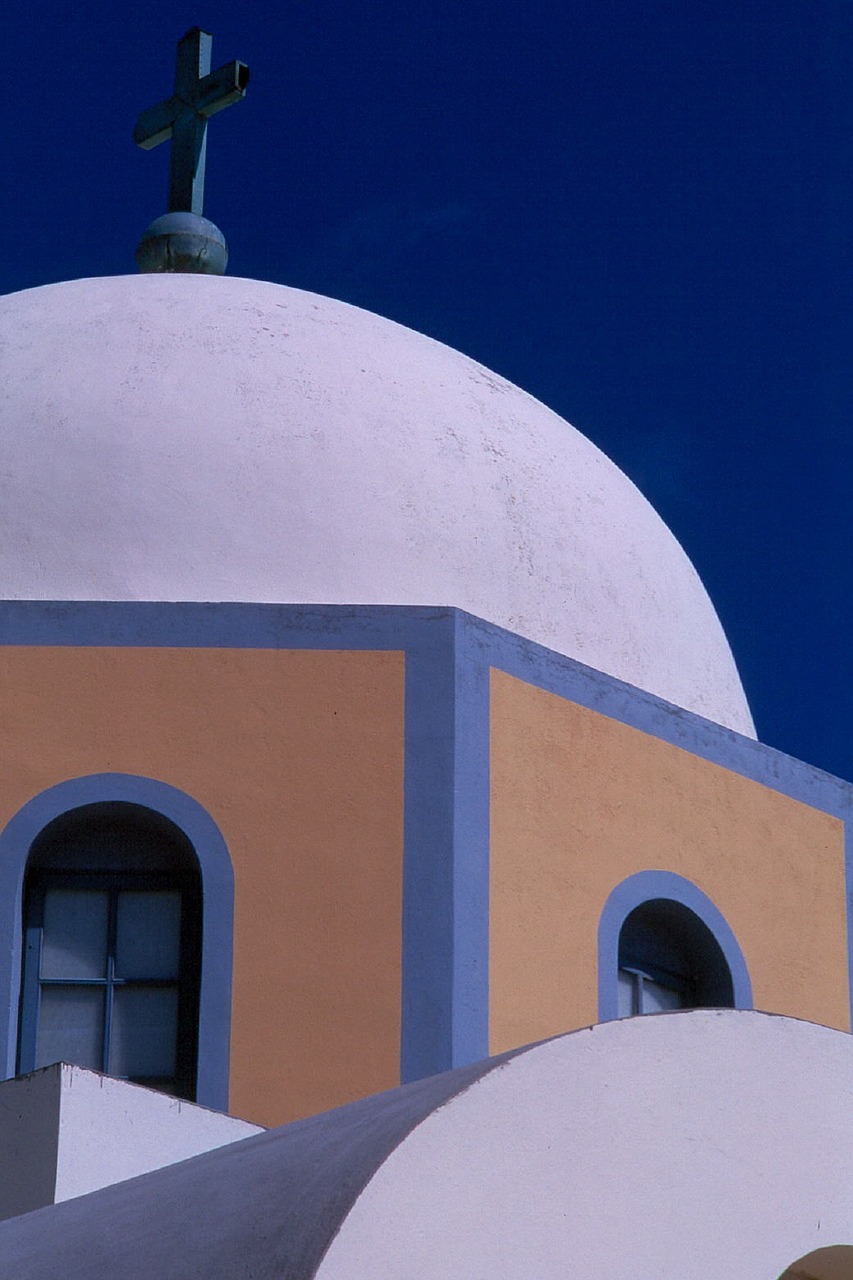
column 169, row 437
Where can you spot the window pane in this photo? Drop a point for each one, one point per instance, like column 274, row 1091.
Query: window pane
column 74, row 939
column 148, row 934
column 627, row 983
column 71, row 1021
column 144, row 1031
column 656, row 997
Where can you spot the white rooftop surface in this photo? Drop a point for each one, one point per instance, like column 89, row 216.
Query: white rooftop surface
column 185, row 438
column 676, row 1146
column 65, row 1131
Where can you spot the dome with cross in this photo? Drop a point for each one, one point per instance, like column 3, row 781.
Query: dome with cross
column 202, row 438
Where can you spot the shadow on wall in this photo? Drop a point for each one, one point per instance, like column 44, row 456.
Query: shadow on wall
column 833, row 1263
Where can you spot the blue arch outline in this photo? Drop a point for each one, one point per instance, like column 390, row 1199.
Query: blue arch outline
column 217, row 879
column 450, row 995
column 640, row 888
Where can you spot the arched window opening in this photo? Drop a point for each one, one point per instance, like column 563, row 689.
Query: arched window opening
column 111, row 959
column 670, row 959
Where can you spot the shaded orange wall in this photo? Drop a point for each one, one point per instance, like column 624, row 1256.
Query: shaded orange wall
column 298, row 757
column 580, row 801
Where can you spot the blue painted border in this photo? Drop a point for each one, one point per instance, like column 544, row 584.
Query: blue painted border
column 426, row 1029
column 444, row 1016
column 703, row 738
column 446, row 865
column 217, row 880
column 446, row 874
column 472, row 829
column 633, row 892
column 401, row 627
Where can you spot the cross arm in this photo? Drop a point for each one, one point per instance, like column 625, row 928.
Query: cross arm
column 154, row 125
column 220, row 88
column 215, row 91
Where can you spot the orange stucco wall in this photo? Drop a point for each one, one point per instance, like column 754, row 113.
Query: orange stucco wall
column 298, row 757
column 580, row 801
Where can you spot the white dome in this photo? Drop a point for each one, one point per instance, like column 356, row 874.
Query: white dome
column 211, row 439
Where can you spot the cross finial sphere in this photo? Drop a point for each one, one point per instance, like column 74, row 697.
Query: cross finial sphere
column 192, row 243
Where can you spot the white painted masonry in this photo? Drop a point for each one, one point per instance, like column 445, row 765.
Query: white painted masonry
column 194, row 438
column 65, row 1131
column 675, row 1146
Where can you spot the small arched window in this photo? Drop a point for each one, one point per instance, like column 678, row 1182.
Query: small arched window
column 111, row 959
column 670, row 959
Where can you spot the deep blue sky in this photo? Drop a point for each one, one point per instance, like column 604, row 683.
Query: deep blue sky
column 638, row 210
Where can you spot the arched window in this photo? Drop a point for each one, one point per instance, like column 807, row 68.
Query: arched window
column 663, row 944
column 670, row 959
column 111, row 958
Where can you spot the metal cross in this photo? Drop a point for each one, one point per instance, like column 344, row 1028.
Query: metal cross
column 199, row 94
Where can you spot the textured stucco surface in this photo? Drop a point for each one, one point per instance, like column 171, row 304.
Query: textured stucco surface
column 196, row 438
column 580, row 801
column 298, row 758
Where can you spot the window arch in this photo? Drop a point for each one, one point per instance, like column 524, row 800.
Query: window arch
column 670, row 959
column 663, row 945
column 112, row 919
column 33, row 848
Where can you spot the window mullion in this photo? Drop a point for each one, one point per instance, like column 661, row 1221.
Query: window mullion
column 72, row 982
column 108, row 994
column 31, row 984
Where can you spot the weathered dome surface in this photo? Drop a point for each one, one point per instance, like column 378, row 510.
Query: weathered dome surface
column 217, row 439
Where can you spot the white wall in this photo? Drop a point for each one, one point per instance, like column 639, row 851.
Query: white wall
column 65, row 1131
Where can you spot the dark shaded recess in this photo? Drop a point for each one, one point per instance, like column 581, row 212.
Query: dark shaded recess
column 672, row 945
column 112, row 836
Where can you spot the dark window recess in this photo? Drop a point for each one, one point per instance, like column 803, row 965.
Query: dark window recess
column 670, row 959
column 111, row 955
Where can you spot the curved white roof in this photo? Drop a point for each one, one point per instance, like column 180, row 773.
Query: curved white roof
column 679, row 1146
column 214, row 439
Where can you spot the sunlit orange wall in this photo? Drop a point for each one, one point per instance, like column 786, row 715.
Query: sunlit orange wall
column 580, row 801
column 298, row 757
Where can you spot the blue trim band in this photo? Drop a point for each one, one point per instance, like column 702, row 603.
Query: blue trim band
column 446, row 870
column 472, row 783
column 643, row 887
column 463, row 821
column 217, row 879
column 267, row 626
